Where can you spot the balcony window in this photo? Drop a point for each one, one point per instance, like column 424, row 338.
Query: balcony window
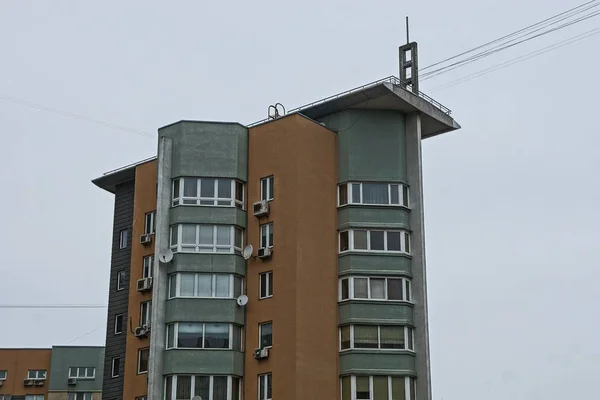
column 81, row 396
column 198, row 335
column 201, row 285
column 203, row 238
column 375, row 240
column 376, row 337
column 373, row 193
column 378, row 388
column 217, row 387
column 82, row 372
column 375, row 288
column 208, row 192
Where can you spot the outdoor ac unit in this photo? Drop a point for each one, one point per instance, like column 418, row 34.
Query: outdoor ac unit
column 261, row 354
column 71, row 381
column 142, row 331
column 264, row 253
column 28, row 382
column 144, row 284
column 146, row 239
column 39, row 382
column 261, row 208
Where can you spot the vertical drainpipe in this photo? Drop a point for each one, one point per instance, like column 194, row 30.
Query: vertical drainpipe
column 159, row 291
column 419, row 280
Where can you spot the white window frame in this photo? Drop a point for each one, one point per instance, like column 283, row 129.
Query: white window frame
column 123, row 238
column 3, row 375
column 402, row 191
column 147, row 266
column 201, row 201
column 145, row 313
column 150, row 223
column 139, row 359
column 260, row 328
column 213, row 283
column 197, row 247
column 122, row 324
column 269, row 182
column 408, row 381
column 34, row 397
column 231, row 347
column 37, row 374
column 115, row 362
column 409, row 346
column 268, row 286
column 265, row 377
column 230, row 378
column 120, row 280
column 81, row 372
column 80, row 396
column 405, row 241
column 268, row 228
column 406, row 284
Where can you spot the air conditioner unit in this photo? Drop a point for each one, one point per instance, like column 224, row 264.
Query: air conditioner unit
column 146, row 239
column 261, row 208
column 264, row 253
column 28, row 382
column 71, row 381
column 141, row 331
column 261, row 354
column 39, row 382
column 144, row 284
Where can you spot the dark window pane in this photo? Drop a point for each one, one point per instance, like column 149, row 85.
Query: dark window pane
column 346, row 385
column 410, row 339
column 224, row 186
column 169, row 388
column 407, row 290
column 380, row 388
column 362, row 388
column 235, row 388
column 377, row 288
column 190, row 187
column 345, row 341
column 263, row 189
column 343, row 194
column 266, row 335
column 377, row 240
column 356, row 193
column 365, row 337
column 395, row 194
column 216, row 336
column 413, row 388
column 184, row 388
column 344, row 289
column 407, row 242
column 360, row 288
column 219, row 388
column 269, row 386
column 344, row 241
column 393, row 241
column 270, row 278
column 237, row 338
column 189, row 335
column 207, row 188
column 239, row 191
column 171, row 336
column 263, row 285
column 398, row 391
column 375, row 193
column 392, row 337
column 202, row 387
column 360, row 240
column 405, row 196
column 143, row 360
column 176, row 188
column 271, row 188
column 394, row 288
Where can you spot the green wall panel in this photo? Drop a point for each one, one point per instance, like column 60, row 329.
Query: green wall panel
column 209, row 362
column 221, row 263
column 378, row 362
column 373, row 217
column 204, row 310
column 64, row 357
column 357, row 311
column 207, row 215
column 371, row 264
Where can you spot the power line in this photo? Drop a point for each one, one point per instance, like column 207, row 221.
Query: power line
column 505, row 46
column 54, row 306
column 84, row 335
column 510, row 34
column 69, row 114
column 519, row 59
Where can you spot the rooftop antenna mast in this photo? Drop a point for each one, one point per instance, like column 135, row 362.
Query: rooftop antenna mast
column 409, row 65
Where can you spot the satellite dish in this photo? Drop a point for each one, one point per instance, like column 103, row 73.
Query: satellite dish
column 242, row 300
column 166, row 256
column 197, row 397
column 247, row 253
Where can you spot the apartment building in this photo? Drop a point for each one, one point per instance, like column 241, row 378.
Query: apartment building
column 59, row 373
column 280, row 260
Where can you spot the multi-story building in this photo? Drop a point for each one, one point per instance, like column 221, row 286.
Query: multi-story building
column 330, row 300
column 60, row 373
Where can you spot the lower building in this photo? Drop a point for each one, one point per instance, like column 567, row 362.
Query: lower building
column 24, row 374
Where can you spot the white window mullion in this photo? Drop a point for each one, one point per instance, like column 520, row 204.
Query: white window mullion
column 232, row 238
column 177, row 284
column 368, row 240
column 230, row 336
column 351, row 239
column 389, row 379
column 361, row 192
column 349, row 192
column 371, row 387
column 203, row 333
column 369, row 288
column 231, row 294
column 353, row 387
column 385, row 245
column 407, row 388
column 351, row 336
column 351, row 287
column 174, row 387
column 389, row 194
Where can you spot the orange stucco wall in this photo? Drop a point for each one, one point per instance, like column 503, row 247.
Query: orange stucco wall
column 301, row 155
column 17, row 362
column 144, row 201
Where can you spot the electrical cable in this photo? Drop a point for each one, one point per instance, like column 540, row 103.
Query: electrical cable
column 54, row 306
column 84, row 335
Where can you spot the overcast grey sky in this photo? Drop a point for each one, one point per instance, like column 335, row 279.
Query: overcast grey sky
column 511, row 199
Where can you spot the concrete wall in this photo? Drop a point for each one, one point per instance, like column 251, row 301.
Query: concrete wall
column 208, row 215
column 17, row 362
column 112, row 388
column 65, row 357
column 225, row 263
column 204, row 362
column 377, row 362
column 300, row 154
column 203, row 310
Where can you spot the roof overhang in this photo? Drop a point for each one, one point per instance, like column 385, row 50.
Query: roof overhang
column 111, row 179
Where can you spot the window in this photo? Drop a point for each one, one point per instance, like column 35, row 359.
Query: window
column 198, row 335
column 3, row 375
column 375, row 288
column 266, row 188
column 375, row 241
column 266, row 235
column 145, row 313
column 115, row 367
column 208, row 192
column 34, row 397
column 118, row 324
column 265, row 335
column 265, row 383
column 266, row 285
column 123, row 239
column 218, row 387
column 150, row 223
column 82, row 372
column 201, row 238
column 120, row 280
column 147, row 266
column 36, row 374
column 373, row 193
column 378, row 388
column 80, row 396
column 379, row 337
column 201, row 285
column 143, row 355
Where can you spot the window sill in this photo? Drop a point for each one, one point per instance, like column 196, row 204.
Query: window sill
column 378, row 351
column 374, row 253
column 206, row 205
column 398, row 206
column 197, row 349
column 377, row 301
column 265, row 298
